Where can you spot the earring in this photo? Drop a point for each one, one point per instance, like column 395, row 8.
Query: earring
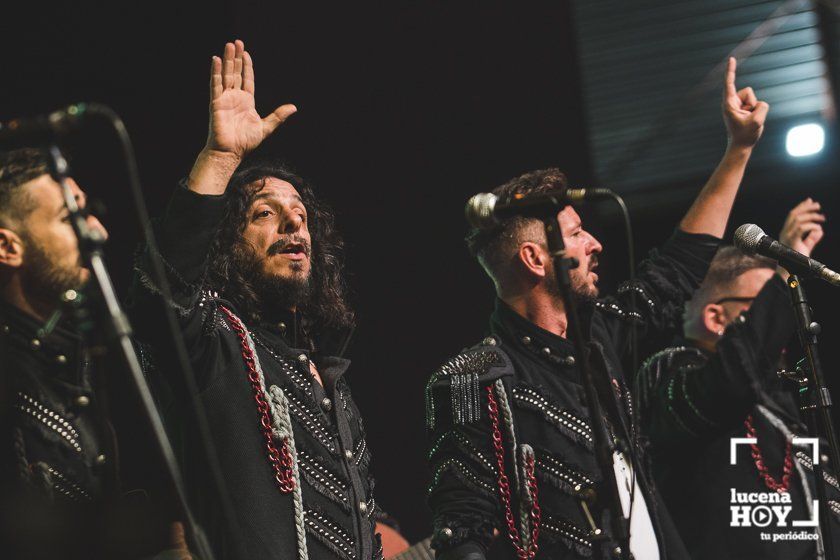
column 720, row 332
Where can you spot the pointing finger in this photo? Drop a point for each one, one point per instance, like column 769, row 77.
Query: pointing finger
column 729, row 80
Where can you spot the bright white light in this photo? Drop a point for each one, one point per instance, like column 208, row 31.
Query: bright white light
column 805, row 140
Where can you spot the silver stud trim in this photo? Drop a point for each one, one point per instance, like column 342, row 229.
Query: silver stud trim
column 50, row 419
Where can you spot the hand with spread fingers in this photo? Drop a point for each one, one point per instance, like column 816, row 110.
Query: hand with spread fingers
column 803, row 227
column 743, row 113
column 235, row 126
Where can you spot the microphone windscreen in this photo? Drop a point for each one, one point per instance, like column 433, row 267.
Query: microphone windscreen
column 747, row 236
column 479, row 210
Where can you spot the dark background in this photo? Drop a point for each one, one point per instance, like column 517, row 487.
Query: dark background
column 405, row 110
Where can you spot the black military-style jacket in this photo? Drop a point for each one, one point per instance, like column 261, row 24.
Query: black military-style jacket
column 694, row 402
column 62, row 441
column 329, row 438
column 535, row 372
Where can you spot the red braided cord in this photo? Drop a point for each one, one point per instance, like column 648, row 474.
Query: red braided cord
column 504, row 487
column 771, row 482
column 281, row 460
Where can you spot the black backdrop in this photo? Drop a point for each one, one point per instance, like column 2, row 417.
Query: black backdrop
column 405, row 110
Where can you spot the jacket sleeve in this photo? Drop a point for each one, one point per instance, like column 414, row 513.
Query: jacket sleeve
column 688, row 394
column 654, row 300
column 184, row 234
column 463, row 494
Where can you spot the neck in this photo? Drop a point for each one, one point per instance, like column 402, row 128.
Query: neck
column 704, row 343
column 542, row 309
column 14, row 294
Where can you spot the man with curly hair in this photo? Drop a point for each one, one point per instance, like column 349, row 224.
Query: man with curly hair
column 257, row 283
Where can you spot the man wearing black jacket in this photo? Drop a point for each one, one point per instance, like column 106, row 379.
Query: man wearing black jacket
column 720, row 383
column 63, row 492
column 257, row 283
column 511, row 442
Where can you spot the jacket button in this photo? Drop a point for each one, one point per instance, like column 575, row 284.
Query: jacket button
column 326, row 404
column 363, row 509
column 570, row 360
column 303, row 359
column 61, row 359
column 348, row 454
column 100, row 459
column 35, row 343
column 82, row 401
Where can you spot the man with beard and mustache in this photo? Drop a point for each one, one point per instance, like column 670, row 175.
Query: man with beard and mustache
column 61, row 488
column 257, row 283
column 510, row 435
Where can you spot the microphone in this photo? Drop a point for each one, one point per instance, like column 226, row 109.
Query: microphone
column 752, row 240
column 486, row 210
column 36, row 131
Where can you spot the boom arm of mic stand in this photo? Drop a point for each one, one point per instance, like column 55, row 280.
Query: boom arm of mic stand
column 820, row 407
column 600, row 435
column 90, row 247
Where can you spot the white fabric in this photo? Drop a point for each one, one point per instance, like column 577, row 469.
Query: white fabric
column 643, row 543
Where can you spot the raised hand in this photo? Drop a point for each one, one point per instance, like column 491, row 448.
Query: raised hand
column 803, row 227
column 235, row 125
column 743, row 113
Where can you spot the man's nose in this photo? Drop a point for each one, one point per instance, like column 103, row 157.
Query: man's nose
column 291, row 223
column 594, row 245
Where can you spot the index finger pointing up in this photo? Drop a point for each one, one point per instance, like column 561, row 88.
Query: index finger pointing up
column 729, row 82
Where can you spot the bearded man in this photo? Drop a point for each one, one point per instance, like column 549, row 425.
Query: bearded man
column 63, row 492
column 257, row 283
column 511, row 438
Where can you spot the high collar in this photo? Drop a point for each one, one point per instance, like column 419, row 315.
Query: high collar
column 524, row 335
column 288, row 324
column 61, row 346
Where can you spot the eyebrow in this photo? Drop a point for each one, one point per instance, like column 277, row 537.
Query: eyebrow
column 265, row 196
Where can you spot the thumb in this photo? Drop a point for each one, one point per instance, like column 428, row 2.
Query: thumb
column 275, row 119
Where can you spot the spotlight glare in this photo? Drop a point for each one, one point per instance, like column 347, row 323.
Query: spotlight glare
column 805, row 140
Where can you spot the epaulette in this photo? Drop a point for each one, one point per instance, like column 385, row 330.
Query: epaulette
column 652, row 370
column 464, row 375
column 610, row 306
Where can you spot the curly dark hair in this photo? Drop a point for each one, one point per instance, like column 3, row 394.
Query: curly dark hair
column 492, row 247
column 232, row 265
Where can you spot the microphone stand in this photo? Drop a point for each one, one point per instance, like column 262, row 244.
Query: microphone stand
column 90, row 247
column 820, row 406
column 600, row 434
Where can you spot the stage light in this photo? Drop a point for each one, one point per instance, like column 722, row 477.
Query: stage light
column 805, row 140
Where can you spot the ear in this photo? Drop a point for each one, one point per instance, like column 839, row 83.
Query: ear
column 534, row 258
column 714, row 318
column 11, row 248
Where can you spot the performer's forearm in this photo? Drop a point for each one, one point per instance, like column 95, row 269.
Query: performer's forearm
column 710, row 211
column 212, row 171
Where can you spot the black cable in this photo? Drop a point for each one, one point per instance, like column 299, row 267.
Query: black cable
column 634, row 347
column 158, row 269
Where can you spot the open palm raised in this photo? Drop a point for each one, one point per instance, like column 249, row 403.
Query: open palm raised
column 235, row 125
